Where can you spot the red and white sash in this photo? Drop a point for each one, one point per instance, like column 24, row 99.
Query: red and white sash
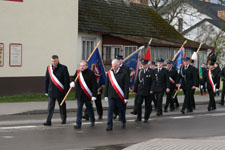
column 171, row 80
column 115, row 85
column 211, row 81
column 83, row 85
column 57, row 83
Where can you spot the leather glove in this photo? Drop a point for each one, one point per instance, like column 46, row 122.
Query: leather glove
column 46, row 94
column 93, row 98
column 106, row 99
column 72, row 84
column 126, row 101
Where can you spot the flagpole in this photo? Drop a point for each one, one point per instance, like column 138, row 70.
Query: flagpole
column 64, row 99
column 179, row 50
column 138, row 50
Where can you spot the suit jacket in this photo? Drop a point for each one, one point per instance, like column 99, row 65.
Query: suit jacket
column 143, row 82
column 222, row 74
column 188, row 76
column 90, row 80
column 62, row 74
column 160, row 80
column 214, row 78
column 172, row 73
column 122, row 80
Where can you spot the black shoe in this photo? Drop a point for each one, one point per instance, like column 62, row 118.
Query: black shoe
column 86, row 117
column 133, row 113
column 108, row 129
column 124, row 126
column 209, row 109
column 137, row 120
column 165, row 110
column 146, row 121
column 115, row 116
column 77, row 126
column 171, row 109
column 63, row 122
column 47, row 124
column 159, row 114
column 92, row 124
column 182, row 111
column 99, row 117
column 222, row 104
column 189, row 111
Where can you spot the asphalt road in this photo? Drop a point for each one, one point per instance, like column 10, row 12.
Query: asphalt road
column 26, row 132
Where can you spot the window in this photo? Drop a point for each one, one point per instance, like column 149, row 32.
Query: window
column 110, row 52
column 88, row 46
column 129, row 50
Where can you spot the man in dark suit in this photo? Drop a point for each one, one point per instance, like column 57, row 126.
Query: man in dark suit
column 160, row 84
column 189, row 83
column 152, row 67
column 56, row 85
column 197, row 85
column 127, row 70
column 172, row 74
column 116, row 92
column 86, row 92
column 201, row 82
column 212, row 85
column 142, row 89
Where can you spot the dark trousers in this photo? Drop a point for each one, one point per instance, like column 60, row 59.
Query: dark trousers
column 169, row 99
column 222, row 94
column 176, row 101
column 193, row 99
column 121, row 107
column 98, row 104
column 188, row 93
column 212, row 103
column 148, row 107
column 88, row 104
column 135, row 104
column 159, row 99
column 154, row 100
column 51, row 107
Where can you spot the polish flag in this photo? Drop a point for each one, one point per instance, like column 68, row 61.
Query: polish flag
column 148, row 54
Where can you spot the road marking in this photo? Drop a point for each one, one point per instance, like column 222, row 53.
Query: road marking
column 17, row 127
column 182, row 117
column 217, row 114
column 7, row 137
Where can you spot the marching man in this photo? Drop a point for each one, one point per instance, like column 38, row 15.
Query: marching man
column 56, row 85
column 116, row 92
column 211, row 78
column 86, row 92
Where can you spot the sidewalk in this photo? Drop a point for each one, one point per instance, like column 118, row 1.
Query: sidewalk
column 41, row 107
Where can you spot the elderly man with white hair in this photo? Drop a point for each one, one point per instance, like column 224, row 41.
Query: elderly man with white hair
column 116, row 92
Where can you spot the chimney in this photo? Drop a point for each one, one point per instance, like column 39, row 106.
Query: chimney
column 221, row 14
column 180, row 25
column 205, row 1
column 145, row 2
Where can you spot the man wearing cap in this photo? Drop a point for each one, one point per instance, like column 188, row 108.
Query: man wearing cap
column 197, row 85
column 142, row 89
column 189, row 83
column 116, row 92
column 212, row 85
column 172, row 74
column 160, row 84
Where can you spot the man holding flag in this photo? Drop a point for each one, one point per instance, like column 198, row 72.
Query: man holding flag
column 86, row 92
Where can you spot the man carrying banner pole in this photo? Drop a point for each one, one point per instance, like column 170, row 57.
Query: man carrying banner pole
column 56, row 85
column 86, row 92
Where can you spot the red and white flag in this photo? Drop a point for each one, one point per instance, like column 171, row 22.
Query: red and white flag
column 54, row 79
column 83, row 85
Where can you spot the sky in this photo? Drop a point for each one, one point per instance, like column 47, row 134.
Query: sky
column 214, row 1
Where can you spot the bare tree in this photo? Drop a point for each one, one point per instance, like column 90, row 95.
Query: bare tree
column 221, row 2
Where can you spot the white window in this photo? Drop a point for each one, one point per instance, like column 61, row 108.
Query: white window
column 88, row 46
column 129, row 49
column 110, row 52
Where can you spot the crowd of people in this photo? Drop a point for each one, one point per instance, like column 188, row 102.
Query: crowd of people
column 152, row 82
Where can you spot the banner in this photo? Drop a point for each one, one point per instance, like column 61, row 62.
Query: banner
column 178, row 61
column 132, row 64
column 96, row 65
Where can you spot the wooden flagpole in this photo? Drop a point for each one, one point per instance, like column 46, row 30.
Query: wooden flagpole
column 78, row 75
column 137, row 51
column 179, row 50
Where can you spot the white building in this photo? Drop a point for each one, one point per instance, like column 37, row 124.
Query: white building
column 31, row 31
